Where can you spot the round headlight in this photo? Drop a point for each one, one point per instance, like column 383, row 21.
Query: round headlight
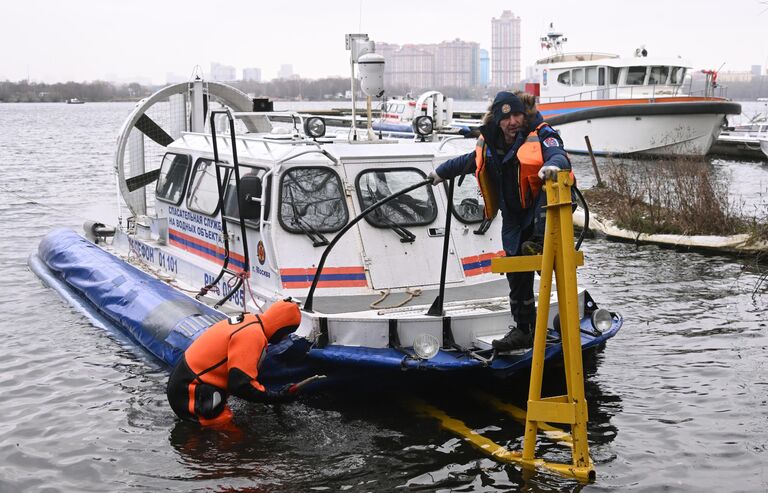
column 602, row 319
column 314, row 126
column 426, row 346
column 423, row 125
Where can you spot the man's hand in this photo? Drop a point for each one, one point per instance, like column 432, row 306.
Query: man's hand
column 548, row 173
column 436, row 179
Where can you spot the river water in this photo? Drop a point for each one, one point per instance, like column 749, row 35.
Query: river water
column 678, row 400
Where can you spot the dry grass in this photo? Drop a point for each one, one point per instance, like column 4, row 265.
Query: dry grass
column 670, row 196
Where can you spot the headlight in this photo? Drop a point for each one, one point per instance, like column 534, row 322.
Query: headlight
column 314, row 126
column 426, row 346
column 602, row 320
column 423, row 125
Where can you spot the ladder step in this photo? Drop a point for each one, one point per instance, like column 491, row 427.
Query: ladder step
column 552, row 412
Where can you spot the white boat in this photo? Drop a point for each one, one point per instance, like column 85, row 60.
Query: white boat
column 226, row 213
column 626, row 105
column 75, row 101
column 743, row 140
column 398, row 115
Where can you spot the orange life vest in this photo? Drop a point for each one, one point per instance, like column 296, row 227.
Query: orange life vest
column 531, row 159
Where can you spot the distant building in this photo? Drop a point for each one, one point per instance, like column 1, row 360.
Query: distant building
column 222, row 73
column 430, row 66
column 252, row 74
column 485, row 67
column 412, row 66
column 505, row 50
column 457, row 64
column 285, row 72
column 756, row 70
column 734, row 76
column 171, row 78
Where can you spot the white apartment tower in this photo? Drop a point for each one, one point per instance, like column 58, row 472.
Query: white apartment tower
column 505, row 50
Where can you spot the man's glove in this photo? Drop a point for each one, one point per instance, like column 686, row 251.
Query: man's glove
column 549, row 173
column 286, row 393
column 436, row 179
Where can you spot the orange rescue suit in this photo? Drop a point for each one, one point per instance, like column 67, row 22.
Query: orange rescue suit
column 531, row 159
column 225, row 360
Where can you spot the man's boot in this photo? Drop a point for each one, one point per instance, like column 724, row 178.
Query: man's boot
column 517, row 338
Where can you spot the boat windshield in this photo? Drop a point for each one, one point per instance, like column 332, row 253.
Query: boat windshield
column 173, row 176
column 203, row 194
column 251, row 187
column 468, row 204
column 416, row 208
column 312, row 199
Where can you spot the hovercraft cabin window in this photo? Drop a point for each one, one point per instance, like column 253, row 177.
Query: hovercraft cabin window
column 416, row 208
column 253, row 194
column 312, row 199
column 173, row 177
column 203, row 192
column 468, row 204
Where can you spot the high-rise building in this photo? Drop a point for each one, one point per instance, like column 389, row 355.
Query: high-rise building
column 457, row 64
column 252, row 74
column 756, row 70
column 485, row 67
column 285, row 72
column 412, row 66
column 505, row 50
column 222, row 73
column 431, row 66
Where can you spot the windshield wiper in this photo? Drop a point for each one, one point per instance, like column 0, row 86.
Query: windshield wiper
column 317, row 238
column 405, row 235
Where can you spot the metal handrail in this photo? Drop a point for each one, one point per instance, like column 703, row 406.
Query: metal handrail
column 310, row 295
column 594, row 93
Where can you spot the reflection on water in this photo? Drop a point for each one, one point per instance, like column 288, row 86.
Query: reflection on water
column 678, row 401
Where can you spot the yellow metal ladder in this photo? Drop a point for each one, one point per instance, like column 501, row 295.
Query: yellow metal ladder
column 558, row 256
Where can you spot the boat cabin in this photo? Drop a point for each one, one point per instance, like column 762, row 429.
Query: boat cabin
column 588, row 76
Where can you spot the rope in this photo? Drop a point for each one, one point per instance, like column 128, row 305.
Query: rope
column 412, row 293
column 35, row 202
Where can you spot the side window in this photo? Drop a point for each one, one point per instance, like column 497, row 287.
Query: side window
column 678, row 75
column 658, row 75
column 416, row 208
column 251, row 186
column 203, row 192
column 468, row 203
column 636, row 76
column 565, row 78
column 601, row 76
column 614, row 74
column 312, row 199
column 591, row 76
column 578, row 77
column 173, row 178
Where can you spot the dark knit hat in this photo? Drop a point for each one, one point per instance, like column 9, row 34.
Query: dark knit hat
column 504, row 104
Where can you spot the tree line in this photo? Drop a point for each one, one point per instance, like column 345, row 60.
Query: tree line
column 285, row 89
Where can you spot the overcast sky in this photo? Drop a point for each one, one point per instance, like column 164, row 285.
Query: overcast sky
column 60, row 40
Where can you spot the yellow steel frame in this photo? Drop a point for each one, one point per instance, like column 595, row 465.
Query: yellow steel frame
column 559, row 256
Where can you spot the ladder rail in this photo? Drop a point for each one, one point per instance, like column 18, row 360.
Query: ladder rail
column 246, row 268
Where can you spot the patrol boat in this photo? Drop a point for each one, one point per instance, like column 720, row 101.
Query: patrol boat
column 626, row 105
column 226, row 213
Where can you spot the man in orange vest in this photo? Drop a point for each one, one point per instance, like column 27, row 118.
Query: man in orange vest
column 225, row 360
column 517, row 150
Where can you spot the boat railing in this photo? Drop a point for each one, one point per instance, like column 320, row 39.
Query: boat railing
column 618, row 92
column 449, row 139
